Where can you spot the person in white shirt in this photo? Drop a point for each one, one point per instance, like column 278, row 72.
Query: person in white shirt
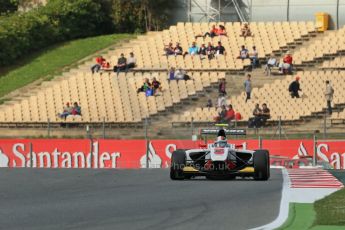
column 131, row 61
column 270, row 63
column 179, row 74
column 253, row 56
column 329, row 91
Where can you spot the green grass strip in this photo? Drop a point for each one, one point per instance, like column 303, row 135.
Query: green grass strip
column 301, row 216
column 331, row 209
column 51, row 61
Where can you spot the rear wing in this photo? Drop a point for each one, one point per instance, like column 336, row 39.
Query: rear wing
column 214, row 132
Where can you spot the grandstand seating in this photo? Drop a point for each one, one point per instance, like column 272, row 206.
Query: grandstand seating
column 278, row 99
column 338, row 117
column 113, row 99
column 331, row 44
column 267, row 37
column 337, row 63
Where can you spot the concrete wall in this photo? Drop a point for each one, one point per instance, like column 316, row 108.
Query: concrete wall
column 297, row 10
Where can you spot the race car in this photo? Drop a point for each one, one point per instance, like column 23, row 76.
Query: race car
column 220, row 160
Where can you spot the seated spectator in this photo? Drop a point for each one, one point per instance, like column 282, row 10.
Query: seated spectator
column 209, row 103
column 286, row 65
column 294, row 87
column 221, row 100
column 171, row 74
column 145, row 87
column 131, row 61
column 222, row 87
column 169, row 49
column 221, row 31
column 254, row 57
column 180, row 74
column 260, row 116
column 230, row 114
column 193, row 50
column 270, row 63
column 210, row 51
column 156, row 86
column 221, row 117
column 243, row 53
column 213, row 32
column 76, row 110
column 178, row 49
column 202, row 51
column 219, row 49
column 99, row 62
column 67, row 110
column 121, row 64
column 245, row 31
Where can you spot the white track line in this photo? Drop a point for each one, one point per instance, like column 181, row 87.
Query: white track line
column 284, row 205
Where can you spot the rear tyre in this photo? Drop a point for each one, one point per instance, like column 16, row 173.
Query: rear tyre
column 178, row 162
column 261, row 165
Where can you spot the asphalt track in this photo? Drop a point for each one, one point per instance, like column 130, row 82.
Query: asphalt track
column 132, row 199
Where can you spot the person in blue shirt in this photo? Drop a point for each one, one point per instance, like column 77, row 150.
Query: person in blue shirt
column 193, row 50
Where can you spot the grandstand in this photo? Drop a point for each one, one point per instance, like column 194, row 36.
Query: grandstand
column 111, row 99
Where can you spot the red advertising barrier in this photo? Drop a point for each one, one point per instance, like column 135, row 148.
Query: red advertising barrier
column 75, row 153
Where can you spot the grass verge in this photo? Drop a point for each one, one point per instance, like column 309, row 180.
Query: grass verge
column 53, row 60
column 331, row 209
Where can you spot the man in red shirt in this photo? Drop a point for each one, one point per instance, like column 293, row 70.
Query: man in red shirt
column 287, row 63
column 99, row 62
column 230, row 114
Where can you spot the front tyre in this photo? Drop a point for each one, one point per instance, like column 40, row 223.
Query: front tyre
column 261, row 165
column 178, row 162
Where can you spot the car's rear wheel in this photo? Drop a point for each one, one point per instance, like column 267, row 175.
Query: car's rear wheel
column 178, row 162
column 261, row 165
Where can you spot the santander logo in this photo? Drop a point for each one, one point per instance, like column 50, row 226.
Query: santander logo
column 3, row 160
column 154, row 161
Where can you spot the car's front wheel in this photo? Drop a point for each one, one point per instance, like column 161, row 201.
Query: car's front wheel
column 178, row 162
column 261, row 165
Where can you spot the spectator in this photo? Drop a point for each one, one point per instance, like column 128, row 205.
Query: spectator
column 221, row 31
column 286, row 65
column 156, row 85
column 146, row 86
column 76, row 110
column 248, row 87
column 221, row 100
column 180, row 74
column 230, row 114
column 243, row 53
column 245, row 31
column 219, row 50
column 131, row 61
column 329, row 96
column 294, row 87
column 253, row 56
column 193, row 50
column 67, row 110
column 270, row 63
column 178, row 49
column 171, row 73
column 209, row 103
column 213, row 32
column 202, row 51
column 265, row 114
column 221, row 115
column 222, row 87
column 121, row 64
column 210, row 51
column 260, row 116
column 169, row 49
column 99, row 62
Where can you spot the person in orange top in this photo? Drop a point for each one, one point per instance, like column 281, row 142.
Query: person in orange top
column 230, row 114
column 286, row 64
column 213, row 32
column 99, row 62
